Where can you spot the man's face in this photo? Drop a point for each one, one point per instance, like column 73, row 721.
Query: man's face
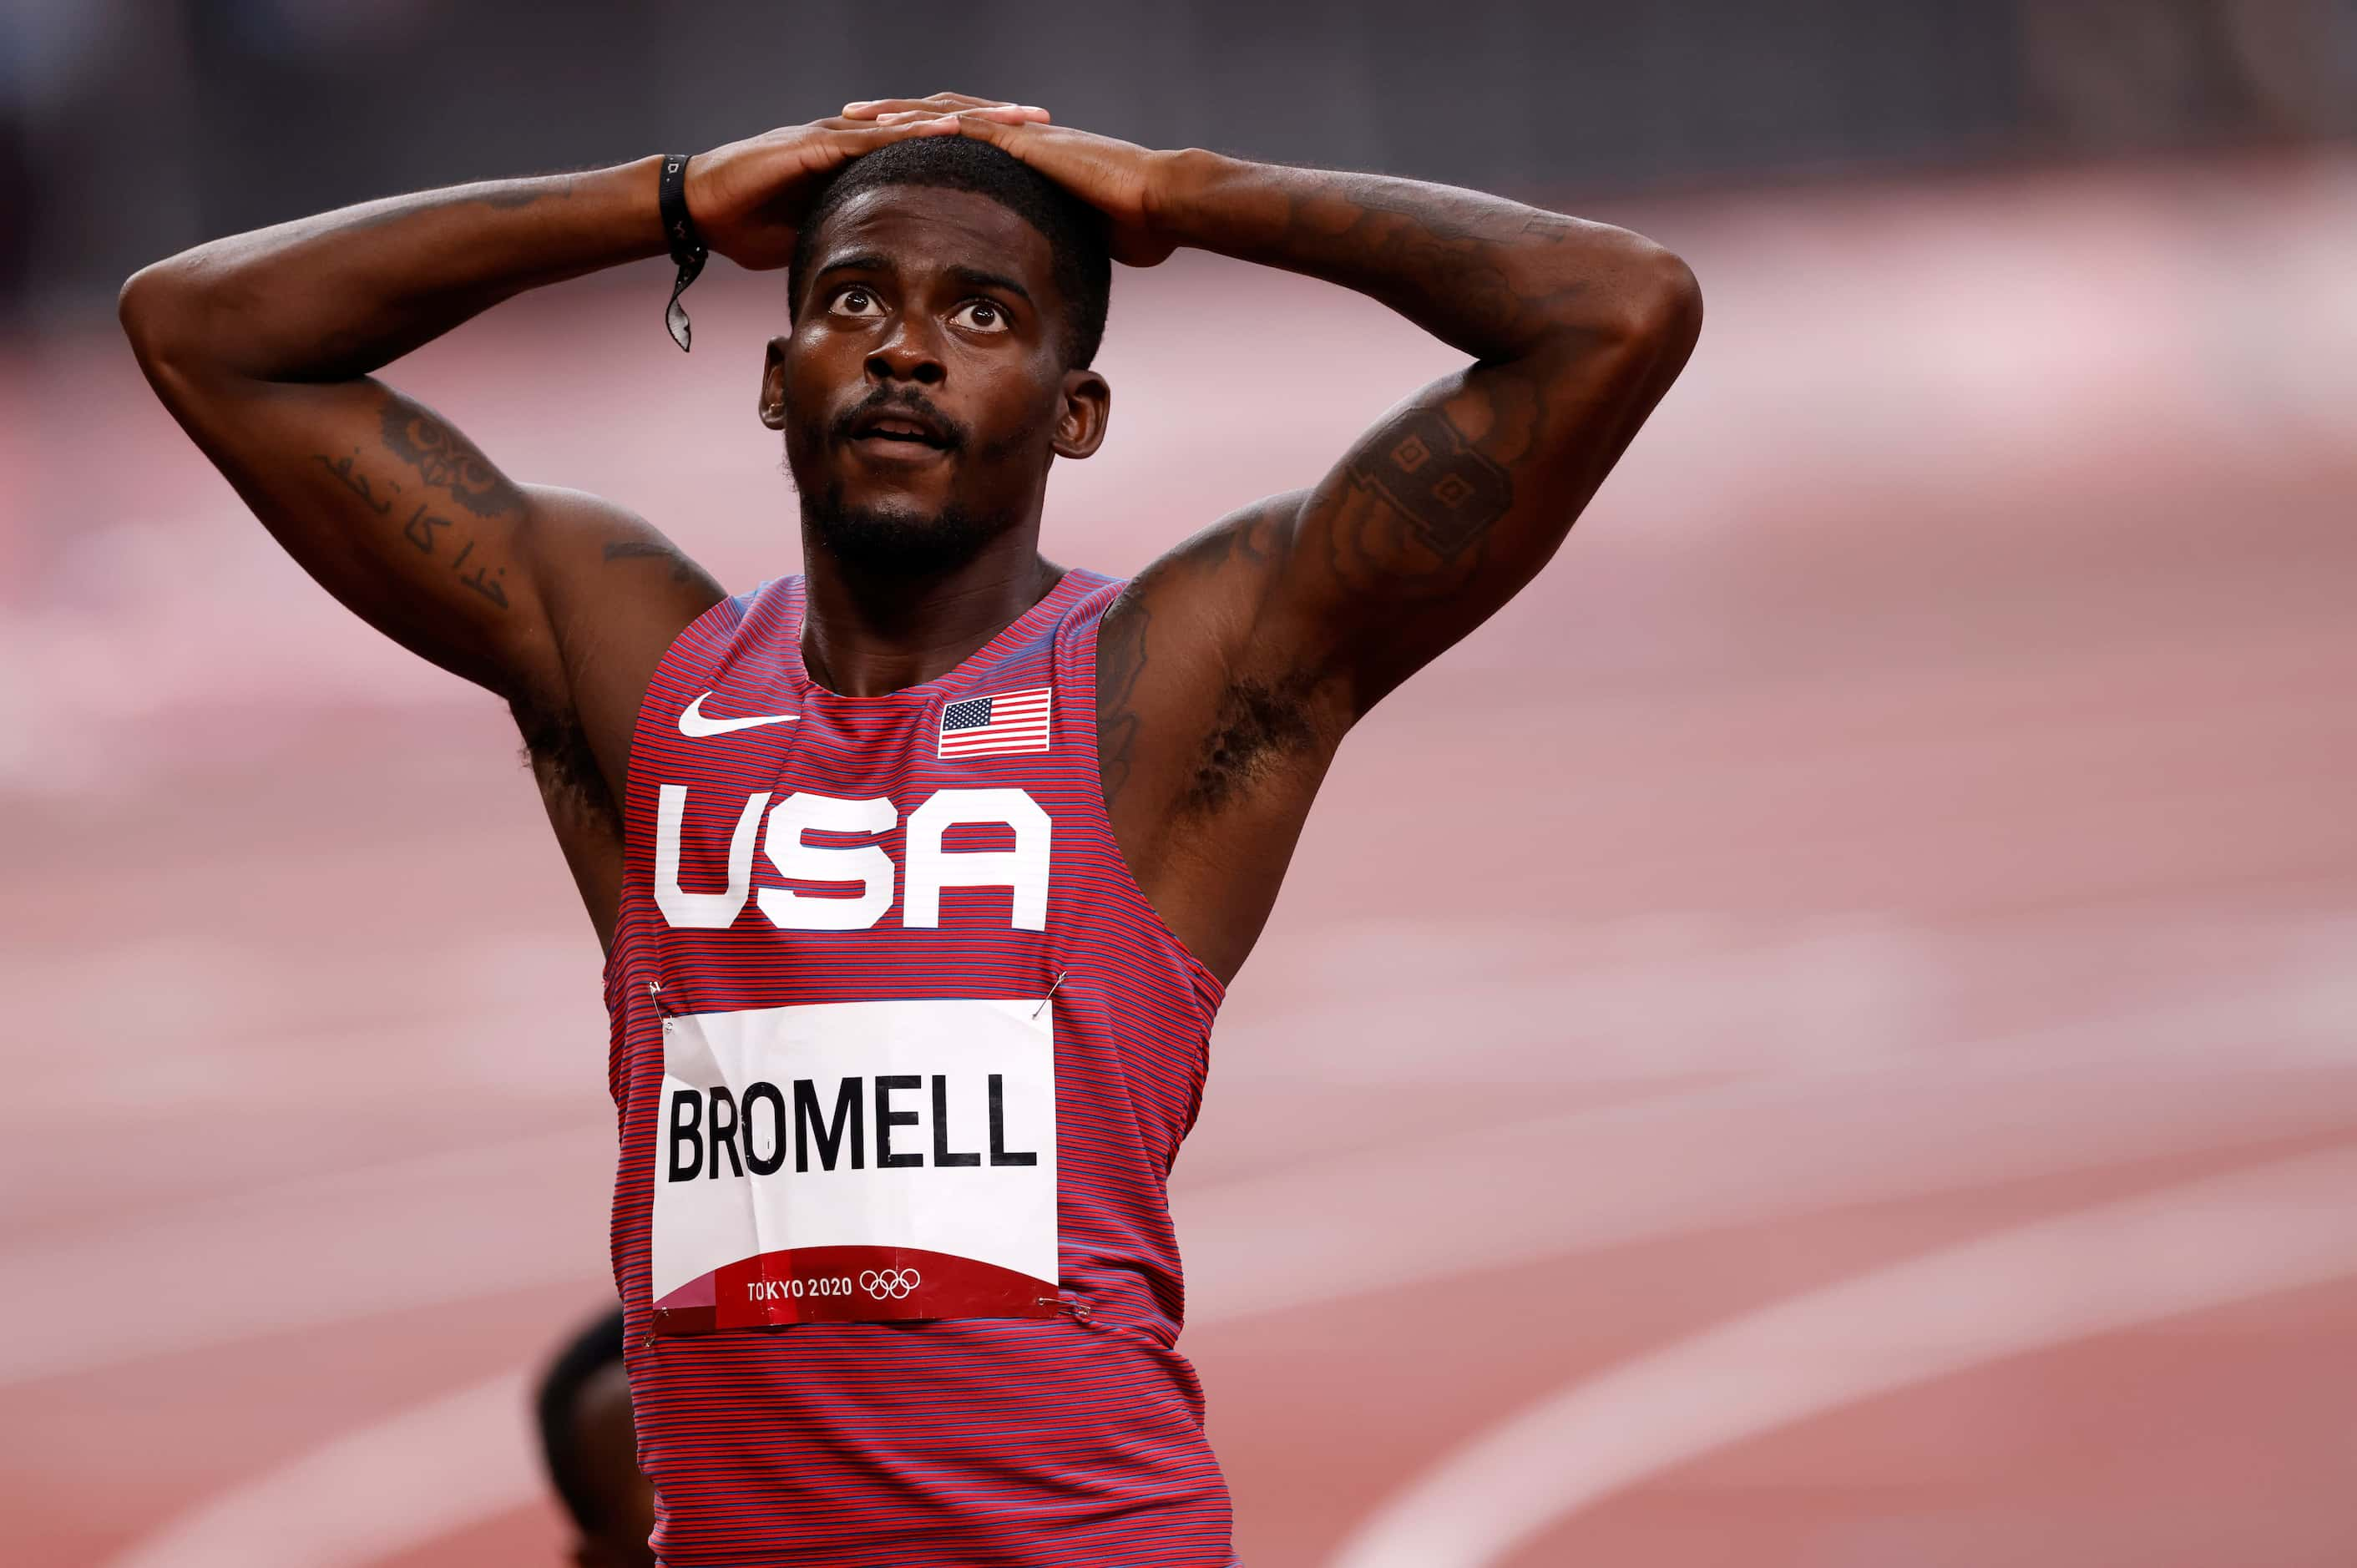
column 922, row 392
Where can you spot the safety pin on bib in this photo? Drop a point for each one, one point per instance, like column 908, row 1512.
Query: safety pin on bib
column 1050, row 997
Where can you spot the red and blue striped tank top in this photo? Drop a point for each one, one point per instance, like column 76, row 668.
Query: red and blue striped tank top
column 902, row 1058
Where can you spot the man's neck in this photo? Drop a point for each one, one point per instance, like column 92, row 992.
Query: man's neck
column 865, row 635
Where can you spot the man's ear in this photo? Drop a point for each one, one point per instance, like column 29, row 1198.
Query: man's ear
column 1088, row 405
column 773, row 386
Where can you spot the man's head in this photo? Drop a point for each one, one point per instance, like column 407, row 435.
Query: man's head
column 587, row 1437
column 946, row 301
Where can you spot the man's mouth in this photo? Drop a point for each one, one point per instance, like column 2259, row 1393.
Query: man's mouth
column 913, row 430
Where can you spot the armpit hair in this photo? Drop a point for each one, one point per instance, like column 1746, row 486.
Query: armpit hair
column 556, row 749
column 1261, row 728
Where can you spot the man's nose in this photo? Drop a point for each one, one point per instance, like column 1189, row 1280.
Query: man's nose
column 908, row 354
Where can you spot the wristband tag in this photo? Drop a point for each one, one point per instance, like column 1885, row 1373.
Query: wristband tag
column 687, row 248
column 675, row 313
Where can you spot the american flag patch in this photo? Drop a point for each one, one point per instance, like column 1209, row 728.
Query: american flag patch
column 984, row 727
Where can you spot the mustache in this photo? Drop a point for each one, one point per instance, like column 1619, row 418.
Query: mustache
column 883, row 400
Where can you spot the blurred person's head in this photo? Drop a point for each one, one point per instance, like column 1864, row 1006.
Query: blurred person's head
column 946, row 301
column 592, row 1449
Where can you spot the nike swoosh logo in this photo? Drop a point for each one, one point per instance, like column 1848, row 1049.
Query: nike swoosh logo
column 694, row 724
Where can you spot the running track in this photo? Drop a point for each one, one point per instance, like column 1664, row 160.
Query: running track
column 1825, row 1034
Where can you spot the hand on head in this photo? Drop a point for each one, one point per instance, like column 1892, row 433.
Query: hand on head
column 1120, row 179
column 747, row 198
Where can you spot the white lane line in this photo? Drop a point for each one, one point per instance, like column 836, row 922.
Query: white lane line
column 408, row 1450
column 331, row 1248
column 1297, row 1237
column 440, row 1227
column 1748, row 1153
column 391, row 1486
column 2254, row 1233
column 419, row 1232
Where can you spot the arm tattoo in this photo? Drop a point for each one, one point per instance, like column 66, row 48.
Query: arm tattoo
column 1422, row 466
column 443, row 457
column 1121, row 657
column 1256, row 721
column 352, row 479
column 1443, row 258
column 447, row 459
column 485, row 582
column 419, row 529
column 504, row 196
column 683, row 570
column 1254, row 540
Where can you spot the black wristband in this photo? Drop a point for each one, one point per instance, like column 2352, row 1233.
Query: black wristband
column 687, row 249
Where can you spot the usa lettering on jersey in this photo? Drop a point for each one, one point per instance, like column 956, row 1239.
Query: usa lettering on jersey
column 778, row 830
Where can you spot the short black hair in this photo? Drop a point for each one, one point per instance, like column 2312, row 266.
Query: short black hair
column 595, row 1347
column 1076, row 232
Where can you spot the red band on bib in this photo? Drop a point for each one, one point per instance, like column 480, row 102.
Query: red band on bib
column 850, row 1284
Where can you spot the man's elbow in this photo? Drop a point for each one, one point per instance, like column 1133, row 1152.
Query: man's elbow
column 168, row 310
column 1674, row 300
column 1637, row 322
column 1655, row 302
column 151, row 303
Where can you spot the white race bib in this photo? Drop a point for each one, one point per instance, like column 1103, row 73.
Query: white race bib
column 856, row 1161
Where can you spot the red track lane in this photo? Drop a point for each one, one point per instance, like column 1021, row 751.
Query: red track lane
column 1913, row 808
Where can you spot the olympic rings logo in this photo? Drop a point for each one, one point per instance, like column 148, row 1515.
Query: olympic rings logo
column 890, row 1284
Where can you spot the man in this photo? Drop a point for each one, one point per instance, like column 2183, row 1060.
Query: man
column 920, row 876
column 583, row 1406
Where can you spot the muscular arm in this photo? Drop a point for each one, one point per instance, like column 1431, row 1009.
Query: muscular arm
column 1255, row 647
column 264, row 346
column 1452, row 503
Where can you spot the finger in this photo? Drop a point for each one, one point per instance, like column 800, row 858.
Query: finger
column 868, row 108
column 1013, row 114
column 859, row 139
column 938, row 102
column 900, row 117
column 959, row 100
column 950, row 100
column 1007, row 134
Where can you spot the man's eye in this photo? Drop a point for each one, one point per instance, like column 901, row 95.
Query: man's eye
column 980, row 315
column 857, row 302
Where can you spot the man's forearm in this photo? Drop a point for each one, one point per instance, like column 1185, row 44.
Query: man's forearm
column 338, row 296
column 1489, row 276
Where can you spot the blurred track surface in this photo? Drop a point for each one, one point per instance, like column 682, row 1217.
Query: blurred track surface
column 1865, row 1070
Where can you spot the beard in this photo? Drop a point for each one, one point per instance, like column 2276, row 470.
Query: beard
column 898, row 541
column 893, row 540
